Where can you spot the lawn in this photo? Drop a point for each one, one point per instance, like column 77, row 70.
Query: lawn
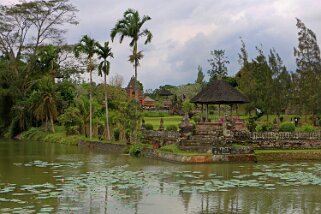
column 168, row 120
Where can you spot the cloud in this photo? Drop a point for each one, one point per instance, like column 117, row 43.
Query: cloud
column 185, row 31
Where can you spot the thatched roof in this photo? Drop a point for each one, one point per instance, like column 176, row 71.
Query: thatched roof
column 219, row 92
column 165, row 93
column 148, row 99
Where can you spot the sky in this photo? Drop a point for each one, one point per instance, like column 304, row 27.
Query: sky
column 186, row 31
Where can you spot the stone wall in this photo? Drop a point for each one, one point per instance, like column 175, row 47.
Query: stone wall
column 155, row 154
column 278, row 135
column 279, row 140
column 160, row 138
column 289, row 156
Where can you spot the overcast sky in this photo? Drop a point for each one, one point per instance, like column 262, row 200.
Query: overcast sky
column 185, row 31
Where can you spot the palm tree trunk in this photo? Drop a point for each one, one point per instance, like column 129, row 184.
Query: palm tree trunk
column 106, row 106
column 90, row 107
column 52, row 125
column 135, row 89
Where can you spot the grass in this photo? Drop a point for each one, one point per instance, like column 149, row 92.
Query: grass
column 173, row 149
column 168, row 120
column 39, row 134
column 59, row 136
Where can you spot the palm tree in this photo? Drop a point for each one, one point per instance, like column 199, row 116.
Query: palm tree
column 45, row 100
column 87, row 46
column 103, row 53
column 131, row 26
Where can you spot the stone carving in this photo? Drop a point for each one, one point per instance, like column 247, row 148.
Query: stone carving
column 161, row 124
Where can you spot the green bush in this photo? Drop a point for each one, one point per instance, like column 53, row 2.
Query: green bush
column 148, row 126
column 265, row 127
column 136, row 149
column 33, row 134
column 127, row 134
column 187, row 106
column 307, row 128
column 171, row 127
column 116, row 134
column 287, row 127
column 72, row 130
column 196, row 118
column 251, row 125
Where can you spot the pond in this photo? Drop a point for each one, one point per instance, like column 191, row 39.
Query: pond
column 51, row 178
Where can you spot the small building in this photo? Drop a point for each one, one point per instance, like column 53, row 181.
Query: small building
column 131, row 90
column 218, row 92
column 167, row 103
column 148, row 102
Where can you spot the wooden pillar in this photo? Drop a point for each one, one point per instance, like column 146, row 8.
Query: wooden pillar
column 202, row 113
column 206, row 112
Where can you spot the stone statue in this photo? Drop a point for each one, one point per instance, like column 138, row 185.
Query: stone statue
column 161, row 124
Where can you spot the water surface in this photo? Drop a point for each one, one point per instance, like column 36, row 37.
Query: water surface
column 51, row 178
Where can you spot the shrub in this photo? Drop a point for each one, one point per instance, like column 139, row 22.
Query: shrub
column 127, row 134
column 281, row 119
column 72, row 130
column 187, row 106
column 265, row 127
column 116, row 134
column 171, row 127
column 148, row 126
column 196, row 119
column 136, row 149
column 307, row 128
column 33, row 134
column 251, row 125
column 287, row 127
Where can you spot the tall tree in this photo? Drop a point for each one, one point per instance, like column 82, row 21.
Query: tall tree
column 104, row 52
column 200, row 75
column 45, row 100
column 308, row 52
column 218, row 64
column 243, row 55
column 26, row 26
column 87, row 46
column 280, row 96
column 131, row 26
column 309, row 70
column 24, row 29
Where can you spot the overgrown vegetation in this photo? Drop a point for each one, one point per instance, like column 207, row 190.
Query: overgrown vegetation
column 287, row 127
column 172, row 148
column 136, row 149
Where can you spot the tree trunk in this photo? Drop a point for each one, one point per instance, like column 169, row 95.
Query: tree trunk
column 90, row 107
column 52, row 125
column 106, row 106
column 135, row 89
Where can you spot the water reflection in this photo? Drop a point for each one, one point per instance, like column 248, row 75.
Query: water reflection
column 40, row 177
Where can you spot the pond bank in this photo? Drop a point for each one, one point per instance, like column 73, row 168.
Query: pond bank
column 260, row 156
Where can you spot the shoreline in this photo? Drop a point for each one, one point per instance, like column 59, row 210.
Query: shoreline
column 282, row 156
column 259, row 155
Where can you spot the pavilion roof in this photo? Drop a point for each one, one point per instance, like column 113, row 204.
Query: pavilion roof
column 148, row 99
column 219, row 92
column 165, row 92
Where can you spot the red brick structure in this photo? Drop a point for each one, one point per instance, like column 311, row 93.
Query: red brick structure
column 139, row 90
